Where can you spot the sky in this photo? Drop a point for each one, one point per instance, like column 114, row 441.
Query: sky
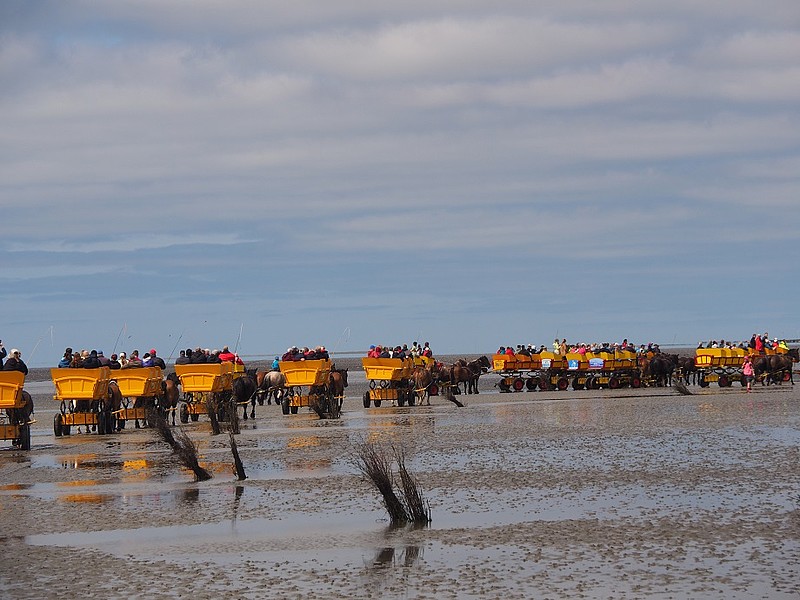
column 264, row 174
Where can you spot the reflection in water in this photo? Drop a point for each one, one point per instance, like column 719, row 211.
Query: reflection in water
column 390, row 568
column 190, row 496
column 85, row 498
column 397, row 426
column 308, row 453
column 239, row 490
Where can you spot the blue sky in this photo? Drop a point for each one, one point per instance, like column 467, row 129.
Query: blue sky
column 471, row 174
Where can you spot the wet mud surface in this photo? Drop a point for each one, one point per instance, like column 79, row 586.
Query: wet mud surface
column 589, row 494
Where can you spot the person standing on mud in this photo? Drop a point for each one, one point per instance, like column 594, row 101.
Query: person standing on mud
column 748, row 372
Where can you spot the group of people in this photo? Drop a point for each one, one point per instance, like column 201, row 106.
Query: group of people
column 561, row 347
column 207, row 356
column 94, row 359
column 14, row 361
column 757, row 344
column 296, row 353
column 401, row 352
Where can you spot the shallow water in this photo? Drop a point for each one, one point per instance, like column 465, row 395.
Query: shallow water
column 625, row 494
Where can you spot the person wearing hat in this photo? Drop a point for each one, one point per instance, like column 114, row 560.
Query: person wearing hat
column 15, row 363
column 157, row 360
column 276, row 364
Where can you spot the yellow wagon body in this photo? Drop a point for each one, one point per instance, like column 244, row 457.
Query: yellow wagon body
column 11, row 383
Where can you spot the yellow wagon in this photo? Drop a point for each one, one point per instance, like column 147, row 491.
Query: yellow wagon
column 307, row 381
column 83, row 394
column 389, row 379
column 14, row 424
column 199, row 383
column 140, row 389
column 723, row 365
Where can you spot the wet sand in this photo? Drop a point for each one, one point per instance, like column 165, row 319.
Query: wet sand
column 587, row 494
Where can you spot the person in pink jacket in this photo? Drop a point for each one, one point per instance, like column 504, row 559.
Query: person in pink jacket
column 748, row 372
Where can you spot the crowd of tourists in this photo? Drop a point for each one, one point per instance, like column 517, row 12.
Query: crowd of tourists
column 402, row 352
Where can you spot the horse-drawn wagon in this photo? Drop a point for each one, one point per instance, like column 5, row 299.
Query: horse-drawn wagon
column 724, row 365
column 389, row 380
column 548, row 370
column 308, row 382
column 544, row 371
column 202, row 383
column 83, row 394
column 17, row 405
column 140, row 389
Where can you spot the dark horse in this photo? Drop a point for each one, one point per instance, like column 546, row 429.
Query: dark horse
column 468, row 374
column 776, row 368
column 244, row 392
column 658, row 370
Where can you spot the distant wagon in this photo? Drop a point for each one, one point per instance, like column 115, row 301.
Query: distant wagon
column 548, row 370
column 389, row 380
column 14, row 424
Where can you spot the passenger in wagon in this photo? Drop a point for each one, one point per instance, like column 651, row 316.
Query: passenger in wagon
column 134, row 362
column 66, row 360
column 157, row 360
column 15, row 362
column 182, row 358
column 91, row 361
column 114, row 363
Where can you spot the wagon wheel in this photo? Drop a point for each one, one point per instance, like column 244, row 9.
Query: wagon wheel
column 101, row 421
column 57, row 421
column 518, row 384
column 562, row 384
column 531, row 384
column 366, row 399
column 636, row 382
column 504, row 386
column 614, row 383
column 589, row 383
column 285, row 404
column 703, row 382
column 576, row 383
column 377, row 403
column 544, row 383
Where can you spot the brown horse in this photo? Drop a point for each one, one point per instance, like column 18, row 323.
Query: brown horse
column 775, row 367
column 170, row 394
column 426, row 378
column 114, row 403
column 337, row 382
